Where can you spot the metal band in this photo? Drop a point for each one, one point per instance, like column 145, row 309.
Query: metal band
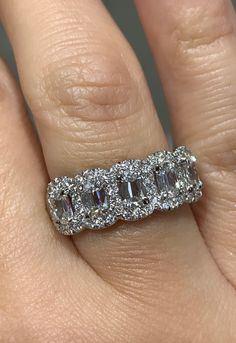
column 129, row 190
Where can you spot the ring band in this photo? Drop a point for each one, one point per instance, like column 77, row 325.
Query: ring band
column 129, row 190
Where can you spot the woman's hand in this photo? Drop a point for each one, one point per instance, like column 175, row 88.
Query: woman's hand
column 170, row 278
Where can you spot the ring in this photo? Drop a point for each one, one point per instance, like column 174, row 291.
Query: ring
column 129, row 190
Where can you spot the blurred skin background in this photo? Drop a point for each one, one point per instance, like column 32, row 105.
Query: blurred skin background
column 123, row 12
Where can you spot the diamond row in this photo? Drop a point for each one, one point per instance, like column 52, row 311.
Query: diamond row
column 129, row 190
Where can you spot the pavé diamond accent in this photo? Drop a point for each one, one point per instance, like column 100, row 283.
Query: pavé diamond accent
column 129, row 190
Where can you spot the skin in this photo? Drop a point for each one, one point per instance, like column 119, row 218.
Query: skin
column 170, row 278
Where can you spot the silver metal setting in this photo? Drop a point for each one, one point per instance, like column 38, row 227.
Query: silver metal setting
column 129, row 190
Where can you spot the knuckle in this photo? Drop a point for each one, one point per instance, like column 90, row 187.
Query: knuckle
column 94, row 103
column 95, row 87
column 200, row 29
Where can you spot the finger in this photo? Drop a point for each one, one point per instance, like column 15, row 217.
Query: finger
column 83, row 89
column 197, row 67
column 21, row 161
column 92, row 108
column 32, row 263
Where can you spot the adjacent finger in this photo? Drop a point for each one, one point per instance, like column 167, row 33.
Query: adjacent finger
column 21, row 160
column 92, row 108
column 34, row 260
column 194, row 46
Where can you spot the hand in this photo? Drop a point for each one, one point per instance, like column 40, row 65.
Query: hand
column 170, row 278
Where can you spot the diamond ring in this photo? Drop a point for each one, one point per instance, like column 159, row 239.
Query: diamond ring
column 129, row 190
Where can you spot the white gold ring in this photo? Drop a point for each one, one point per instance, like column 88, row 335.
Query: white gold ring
column 129, row 190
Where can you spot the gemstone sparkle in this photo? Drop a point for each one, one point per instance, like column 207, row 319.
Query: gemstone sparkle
column 132, row 190
column 64, row 209
column 129, row 190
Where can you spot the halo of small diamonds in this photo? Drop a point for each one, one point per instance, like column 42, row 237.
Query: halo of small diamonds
column 191, row 183
column 98, row 197
column 129, row 190
column 64, row 205
column 167, row 178
column 134, row 197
